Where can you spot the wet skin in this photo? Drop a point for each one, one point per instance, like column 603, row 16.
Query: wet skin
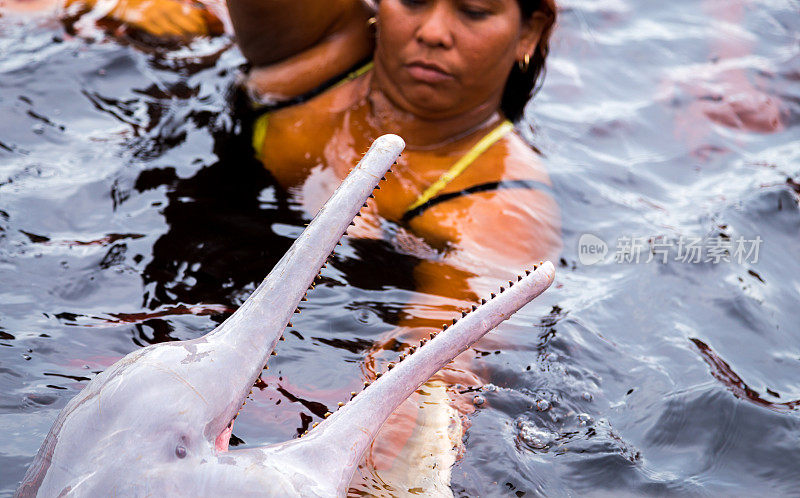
column 158, row 421
column 425, row 89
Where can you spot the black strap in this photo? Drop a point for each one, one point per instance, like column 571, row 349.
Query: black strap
column 483, row 187
column 258, row 110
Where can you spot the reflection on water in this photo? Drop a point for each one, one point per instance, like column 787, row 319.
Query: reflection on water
column 130, row 215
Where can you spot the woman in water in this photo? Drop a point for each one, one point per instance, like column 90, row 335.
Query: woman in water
column 468, row 196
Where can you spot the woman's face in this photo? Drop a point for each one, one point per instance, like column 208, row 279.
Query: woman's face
column 442, row 58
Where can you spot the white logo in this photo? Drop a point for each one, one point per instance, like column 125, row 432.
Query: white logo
column 591, row 249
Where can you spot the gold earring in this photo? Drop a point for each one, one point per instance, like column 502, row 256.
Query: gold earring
column 524, row 63
column 372, row 21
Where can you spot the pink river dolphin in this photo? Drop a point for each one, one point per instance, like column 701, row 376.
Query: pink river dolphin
column 158, row 422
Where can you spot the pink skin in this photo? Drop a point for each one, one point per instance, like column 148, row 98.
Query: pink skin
column 224, row 439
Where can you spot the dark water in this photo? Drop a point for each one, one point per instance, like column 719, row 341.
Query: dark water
column 129, row 215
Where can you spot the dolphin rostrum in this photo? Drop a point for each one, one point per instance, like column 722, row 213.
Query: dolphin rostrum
column 158, row 421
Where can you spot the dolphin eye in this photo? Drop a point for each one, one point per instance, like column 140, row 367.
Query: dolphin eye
column 180, row 451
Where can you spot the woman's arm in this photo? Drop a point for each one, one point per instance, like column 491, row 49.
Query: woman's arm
column 294, row 47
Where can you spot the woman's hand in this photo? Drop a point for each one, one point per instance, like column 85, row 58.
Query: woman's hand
column 163, row 18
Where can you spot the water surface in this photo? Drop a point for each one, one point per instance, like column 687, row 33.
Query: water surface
column 130, row 215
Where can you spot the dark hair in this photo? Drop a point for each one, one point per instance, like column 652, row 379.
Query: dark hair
column 520, row 85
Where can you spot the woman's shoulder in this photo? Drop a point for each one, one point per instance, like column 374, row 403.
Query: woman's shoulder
column 506, row 188
column 522, row 161
column 295, row 137
column 324, row 108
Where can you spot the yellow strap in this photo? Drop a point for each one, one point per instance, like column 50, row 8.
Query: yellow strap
column 448, row 176
column 262, row 122
column 354, row 74
column 260, row 133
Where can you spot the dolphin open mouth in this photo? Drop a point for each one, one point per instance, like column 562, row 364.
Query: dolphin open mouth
column 224, row 439
column 196, row 388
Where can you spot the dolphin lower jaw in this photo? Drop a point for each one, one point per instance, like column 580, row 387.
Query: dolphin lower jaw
column 347, row 434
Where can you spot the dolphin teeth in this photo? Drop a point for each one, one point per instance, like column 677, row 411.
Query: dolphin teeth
column 483, row 301
column 455, row 320
column 365, row 204
column 353, row 393
column 494, row 295
column 463, row 314
column 510, row 283
column 519, row 278
column 367, row 383
column 377, row 375
column 383, row 178
column 528, row 272
column 282, row 338
column 273, row 353
column 340, row 404
column 502, row 289
column 444, row 327
column 289, row 324
column 327, row 414
column 390, row 366
column 474, row 307
column 422, row 342
column 377, row 187
column 314, row 424
column 433, row 334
